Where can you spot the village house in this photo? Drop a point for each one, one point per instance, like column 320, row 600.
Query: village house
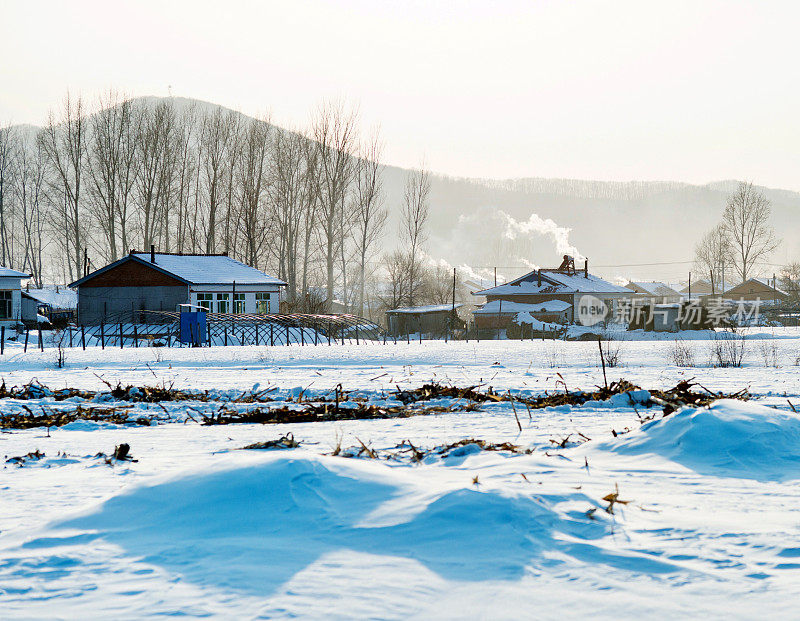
column 11, row 296
column 763, row 290
column 658, row 292
column 547, row 295
column 699, row 287
column 167, row 282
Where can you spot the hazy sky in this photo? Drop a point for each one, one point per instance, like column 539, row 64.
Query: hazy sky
column 692, row 91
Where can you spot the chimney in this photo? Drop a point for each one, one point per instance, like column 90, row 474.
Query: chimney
column 152, row 253
column 586, row 268
column 539, row 273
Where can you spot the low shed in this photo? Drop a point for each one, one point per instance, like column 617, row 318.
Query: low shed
column 434, row 320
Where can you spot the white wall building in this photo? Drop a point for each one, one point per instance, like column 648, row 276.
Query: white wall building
column 10, row 296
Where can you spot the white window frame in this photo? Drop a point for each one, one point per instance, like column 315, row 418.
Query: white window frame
column 223, row 303
column 261, row 298
column 206, row 301
column 6, row 305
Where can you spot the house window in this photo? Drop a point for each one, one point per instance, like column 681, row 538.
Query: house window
column 262, row 303
column 223, row 302
column 238, row 303
column 204, row 300
column 5, row 304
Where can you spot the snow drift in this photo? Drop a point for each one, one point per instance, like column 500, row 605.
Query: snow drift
column 729, row 438
column 253, row 521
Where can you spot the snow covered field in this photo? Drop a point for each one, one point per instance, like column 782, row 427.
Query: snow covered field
column 196, row 527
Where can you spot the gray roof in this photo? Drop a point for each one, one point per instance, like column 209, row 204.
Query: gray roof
column 197, row 269
column 554, row 281
column 413, row 310
column 7, row 272
column 654, row 288
column 63, row 299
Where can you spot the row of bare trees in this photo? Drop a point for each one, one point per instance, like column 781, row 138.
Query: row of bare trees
column 739, row 246
column 307, row 206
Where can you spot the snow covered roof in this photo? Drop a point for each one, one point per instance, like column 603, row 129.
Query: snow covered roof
column 64, row 298
column 657, row 289
column 767, row 282
column 414, row 310
column 496, row 307
column 7, row 272
column 554, row 281
column 197, row 269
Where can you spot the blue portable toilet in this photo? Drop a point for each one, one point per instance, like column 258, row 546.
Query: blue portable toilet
column 193, row 328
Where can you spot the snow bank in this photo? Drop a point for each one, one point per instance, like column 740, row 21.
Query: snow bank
column 730, row 438
column 251, row 521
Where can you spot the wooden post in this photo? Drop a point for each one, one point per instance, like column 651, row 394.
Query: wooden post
column 135, row 336
column 316, row 335
column 83, row 337
column 41, row 340
column 70, row 338
column 102, row 336
column 2, row 340
column 302, row 336
column 287, row 334
column 329, row 332
column 271, row 335
column 25, row 350
column 225, row 330
column 256, row 334
column 357, row 343
column 120, row 336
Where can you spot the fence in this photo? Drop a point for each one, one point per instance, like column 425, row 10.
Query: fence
column 145, row 328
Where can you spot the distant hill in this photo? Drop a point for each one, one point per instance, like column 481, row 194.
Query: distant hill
column 612, row 223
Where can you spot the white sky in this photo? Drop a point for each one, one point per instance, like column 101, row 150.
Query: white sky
column 692, row 91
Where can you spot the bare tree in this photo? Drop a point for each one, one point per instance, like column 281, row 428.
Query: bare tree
column 413, row 228
column 294, row 199
column 368, row 210
column 396, row 267
column 746, row 224
column 334, row 131
column 253, row 182
column 790, row 281
column 438, row 288
column 185, row 165
column 30, row 191
column 215, row 140
column 65, row 148
column 712, row 256
column 8, row 150
column 112, row 170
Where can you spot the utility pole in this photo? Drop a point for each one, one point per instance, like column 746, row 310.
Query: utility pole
column 453, row 310
column 690, row 286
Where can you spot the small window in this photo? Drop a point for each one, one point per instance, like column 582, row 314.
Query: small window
column 223, row 302
column 238, row 303
column 205, row 300
column 5, row 305
column 262, row 303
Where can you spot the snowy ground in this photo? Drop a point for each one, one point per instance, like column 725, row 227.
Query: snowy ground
column 198, row 528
